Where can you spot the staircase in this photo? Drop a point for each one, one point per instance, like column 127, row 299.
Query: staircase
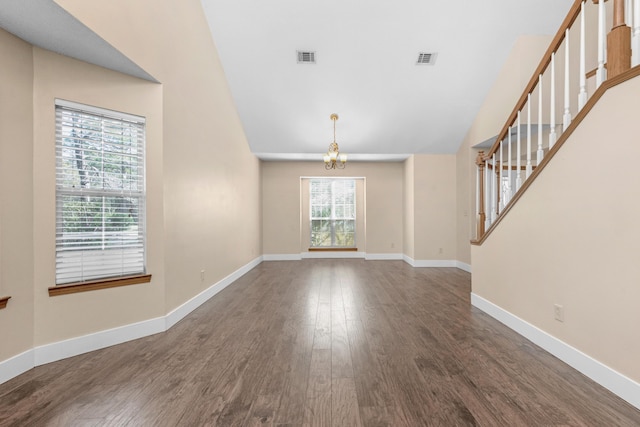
column 557, row 250
column 558, row 97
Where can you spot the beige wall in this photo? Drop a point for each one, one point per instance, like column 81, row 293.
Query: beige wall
column 435, row 207
column 282, row 205
column 211, row 201
column 496, row 108
column 573, row 239
column 409, row 211
column 16, row 195
column 430, row 207
column 67, row 316
column 203, row 209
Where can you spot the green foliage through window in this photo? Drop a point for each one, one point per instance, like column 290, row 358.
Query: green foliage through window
column 333, row 212
column 100, row 194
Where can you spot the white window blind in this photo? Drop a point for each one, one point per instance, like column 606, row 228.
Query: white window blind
column 100, row 193
column 333, row 212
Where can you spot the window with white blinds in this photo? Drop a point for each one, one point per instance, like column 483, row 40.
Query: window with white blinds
column 333, row 213
column 100, row 193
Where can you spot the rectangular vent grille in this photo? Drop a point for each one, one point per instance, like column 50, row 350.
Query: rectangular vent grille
column 306, row 57
column 426, row 58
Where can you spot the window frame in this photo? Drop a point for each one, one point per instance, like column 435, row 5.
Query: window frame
column 136, row 193
column 333, row 218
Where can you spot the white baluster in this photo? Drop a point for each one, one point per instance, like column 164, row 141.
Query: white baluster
column 494, row 199
column 635, row 38
column 487, row 196
column 552, row 96
column 540, row 152
column 529, row 168
column 601, row 72
column 582, row 96
column 501, row 178
column 518, row 156
column 509, row 188
column 566, row 118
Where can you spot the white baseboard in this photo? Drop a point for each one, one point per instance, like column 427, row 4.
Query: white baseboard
column 47, row 353
column 463, row 266
column 383, row 257
column 429, row 263
column 408, row 260
column 624, row 387
column 16, row 365
column 329, row 254
column 78, row 345
column 282, row 257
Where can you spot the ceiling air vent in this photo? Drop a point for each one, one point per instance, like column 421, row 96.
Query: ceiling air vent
column 426, row 58
column 306, row 57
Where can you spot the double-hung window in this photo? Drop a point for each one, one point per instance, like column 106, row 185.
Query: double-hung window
column 333, row 213
column 100, row 193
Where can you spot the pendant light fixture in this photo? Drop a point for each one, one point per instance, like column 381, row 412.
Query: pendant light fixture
column 333, row 159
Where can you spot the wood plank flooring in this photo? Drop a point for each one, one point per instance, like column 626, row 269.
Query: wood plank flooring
column 320, row 343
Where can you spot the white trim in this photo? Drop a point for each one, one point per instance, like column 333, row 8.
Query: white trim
column 78, row 345
column 363, row 178
column 624, row 387
column 463, row 266
column 408, row 260
column 316, row 157
column 429, row 262
column 16, row 365
column 182, row 311
column 425, row 263
column 282, row 257
column 435, row 263
column 100, row 111
column 47, row 353
column 383, row 257
column 330, row 254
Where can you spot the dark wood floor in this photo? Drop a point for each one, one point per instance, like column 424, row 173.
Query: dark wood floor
column 321, row 342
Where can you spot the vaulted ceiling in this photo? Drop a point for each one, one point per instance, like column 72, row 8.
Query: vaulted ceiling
column 365, row 70
column 366, row 67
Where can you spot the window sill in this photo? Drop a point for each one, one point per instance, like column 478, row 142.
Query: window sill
column 333, row 249
column 95, row 285
column 3, row 302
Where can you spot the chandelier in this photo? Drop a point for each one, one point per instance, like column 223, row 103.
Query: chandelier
column 333, row 159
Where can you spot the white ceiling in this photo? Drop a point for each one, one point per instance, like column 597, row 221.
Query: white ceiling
column 366, row 72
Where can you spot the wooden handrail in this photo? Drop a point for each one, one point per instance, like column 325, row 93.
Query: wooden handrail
column 606, row 85
column 618, row 52
column 571, row 17
column 4, row 301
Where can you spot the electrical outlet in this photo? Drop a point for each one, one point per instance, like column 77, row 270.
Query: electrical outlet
column 558, row 312
column 393, row 245
column 202, row 275
column 440, row 251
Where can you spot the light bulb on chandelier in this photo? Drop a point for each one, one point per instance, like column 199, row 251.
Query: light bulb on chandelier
column 334, row 159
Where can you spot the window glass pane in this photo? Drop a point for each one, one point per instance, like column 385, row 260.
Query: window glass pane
column 333, row 200
column 350, row 226
column 100, row 194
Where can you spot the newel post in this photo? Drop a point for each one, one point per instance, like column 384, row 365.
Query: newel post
column 618, row 43
column 481, row 215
